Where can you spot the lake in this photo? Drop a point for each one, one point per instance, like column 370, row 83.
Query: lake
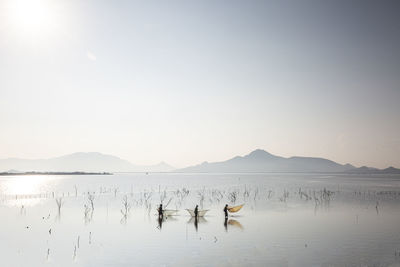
column 287, row 220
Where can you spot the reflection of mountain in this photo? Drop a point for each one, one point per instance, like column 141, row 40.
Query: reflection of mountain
column 86, row 162
column 262, row 161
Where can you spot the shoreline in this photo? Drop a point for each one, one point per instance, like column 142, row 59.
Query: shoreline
column 52, row 173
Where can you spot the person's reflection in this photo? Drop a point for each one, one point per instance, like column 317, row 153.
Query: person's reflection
column 160, row 221
column 196, row 223
column 226, row 224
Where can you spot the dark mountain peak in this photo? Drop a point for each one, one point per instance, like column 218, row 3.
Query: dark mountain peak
column 261, row 161
column 259, row 154
column 391, row 170
column 236, row 158
column 366, row 168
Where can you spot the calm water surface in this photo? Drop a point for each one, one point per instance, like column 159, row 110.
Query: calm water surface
column 287, row 220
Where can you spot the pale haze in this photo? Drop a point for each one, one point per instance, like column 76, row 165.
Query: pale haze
column 188, row 81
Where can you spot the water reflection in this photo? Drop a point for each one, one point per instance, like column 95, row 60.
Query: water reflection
column 196, row 221
column 199, row 220
column 24, row 190
column 160, row 220
column 351, row 222
column 233, row 223
column 163, row 219
column 24, row 185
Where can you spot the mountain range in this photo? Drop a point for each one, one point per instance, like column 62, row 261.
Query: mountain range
column 80, row 161
column 262, row 161
column 257, row 161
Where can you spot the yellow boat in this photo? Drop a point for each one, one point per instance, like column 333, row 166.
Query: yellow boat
column 235, row 208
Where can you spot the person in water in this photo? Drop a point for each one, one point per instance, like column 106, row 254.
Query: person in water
column 226, row 211
column 160, row 211
column 196, row 212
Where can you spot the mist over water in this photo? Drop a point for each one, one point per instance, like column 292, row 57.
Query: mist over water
column 287, row 220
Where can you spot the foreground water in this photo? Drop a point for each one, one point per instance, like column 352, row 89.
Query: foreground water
column 287, row 220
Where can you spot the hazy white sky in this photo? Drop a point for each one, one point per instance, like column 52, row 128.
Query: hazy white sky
column 188, row 81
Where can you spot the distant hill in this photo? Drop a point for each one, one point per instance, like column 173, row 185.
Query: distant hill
column 257, row 161
column 262, row 161
column 80, row 162
column 369, row 170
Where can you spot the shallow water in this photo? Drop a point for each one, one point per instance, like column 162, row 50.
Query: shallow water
column 287, row 220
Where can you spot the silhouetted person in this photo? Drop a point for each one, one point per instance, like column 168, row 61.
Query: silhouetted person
column 196, row 211
column 226, row 211
column 160, row 212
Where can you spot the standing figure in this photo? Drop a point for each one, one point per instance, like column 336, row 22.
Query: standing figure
column 226, row 211
column 160, row 212
column 196, row 212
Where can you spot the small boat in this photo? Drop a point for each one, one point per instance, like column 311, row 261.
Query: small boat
column 200, row 214
column 235, row 208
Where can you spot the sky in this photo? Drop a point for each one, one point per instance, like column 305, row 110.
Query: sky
column 192, row 81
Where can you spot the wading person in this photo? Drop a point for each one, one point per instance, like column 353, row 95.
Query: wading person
column 226, row 211
column 196, row 212
column 160, row 212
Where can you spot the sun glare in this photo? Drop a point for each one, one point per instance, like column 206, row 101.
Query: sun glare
column 33, row 17
column 23, row 185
